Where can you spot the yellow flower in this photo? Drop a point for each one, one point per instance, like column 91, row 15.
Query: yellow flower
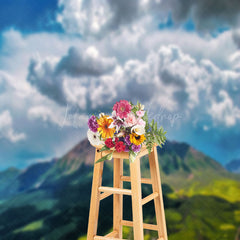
column 137, row 139
column 104, row 123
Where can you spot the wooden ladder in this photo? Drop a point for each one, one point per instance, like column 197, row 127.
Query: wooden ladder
column 100, row 192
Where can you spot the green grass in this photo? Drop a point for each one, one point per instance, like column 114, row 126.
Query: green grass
column 173, row 216
column 30, row 227
column 237, row 215
column 83, row 237
column 227, row 226
column 225, row 188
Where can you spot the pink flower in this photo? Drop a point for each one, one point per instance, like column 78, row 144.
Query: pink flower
column 130, row 120
column 140, row 113
column 141, row 122
column 122, row 108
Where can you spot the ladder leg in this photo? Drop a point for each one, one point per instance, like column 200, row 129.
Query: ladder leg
column 158, row 202
column 135, row 174
column 117, row 198
column 95, row 198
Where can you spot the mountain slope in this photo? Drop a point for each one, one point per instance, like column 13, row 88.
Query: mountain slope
column 14, row 181
column 7, row 177
column 56, row 203
column 190, row 172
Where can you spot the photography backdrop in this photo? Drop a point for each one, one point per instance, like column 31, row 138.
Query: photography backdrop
column 61, row 61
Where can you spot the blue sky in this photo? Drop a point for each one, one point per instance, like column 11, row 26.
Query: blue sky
column 62, row 60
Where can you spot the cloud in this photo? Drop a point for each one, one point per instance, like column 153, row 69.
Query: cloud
column 45, row 114
column 83, row 17
column 123, row 12
column 47, row 82
column 173, row 79
column 224, row 111
column 206, row 15
column 6, row 128
column 120, row 54
column 2, row 84
column 58, row 118
column 88, row 63
column 236, row 37
column 97, row 18
column 55, row 78
column 235, row 61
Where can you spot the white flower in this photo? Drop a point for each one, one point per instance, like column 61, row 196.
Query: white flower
column 114, row 114
column 101, row 114
column 138, row 129
column 141, row 107
column 141, row 122
column 94, row 138
column 117, row 121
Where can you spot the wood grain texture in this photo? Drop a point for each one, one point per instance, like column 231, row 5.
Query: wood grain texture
column 135, row 174
column 117, row 198
column 158, row 202
column 136, row 193
column 95, row 198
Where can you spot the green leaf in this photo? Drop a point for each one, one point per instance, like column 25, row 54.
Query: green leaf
column 106, row 157
column 152, row 122
column 104, row 148
column 132, row 156
column 109, row 156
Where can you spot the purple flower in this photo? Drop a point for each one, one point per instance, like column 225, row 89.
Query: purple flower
column 136, row 148
column 127, row 140
column 126, row 148
column 92, row 124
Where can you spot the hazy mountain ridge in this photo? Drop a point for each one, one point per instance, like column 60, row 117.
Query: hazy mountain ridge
column 22, row 180
column 57, row 199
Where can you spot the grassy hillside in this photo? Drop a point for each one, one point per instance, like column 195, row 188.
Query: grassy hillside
column 201, row 198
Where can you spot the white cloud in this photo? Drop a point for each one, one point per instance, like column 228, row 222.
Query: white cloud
column 45, row 114
column 120, row 54
column 59, row 117
column 173, row 78
column 236, row 37
column 88, row 62
column 6, row 128
column 82, row 16
column 224, row 111
column 101, row 17
column 206, row 15
column 96, row 17
column 55, row 78
column 235, row 61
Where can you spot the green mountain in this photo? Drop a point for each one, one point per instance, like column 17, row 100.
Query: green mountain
column 190, row 172
column 14, row 181
column 6, row 178
column 52, row 201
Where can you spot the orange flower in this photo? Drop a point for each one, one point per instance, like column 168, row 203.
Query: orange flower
column 103, row 128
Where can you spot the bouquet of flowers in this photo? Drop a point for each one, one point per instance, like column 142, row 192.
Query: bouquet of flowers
column 126, row 130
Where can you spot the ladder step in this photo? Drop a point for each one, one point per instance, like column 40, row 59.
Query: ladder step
column 145, row 225
column 149, row 198
column 112, row 234
column 105, row 195
column 143, row 180
column 115, row 190
column 107, row 238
